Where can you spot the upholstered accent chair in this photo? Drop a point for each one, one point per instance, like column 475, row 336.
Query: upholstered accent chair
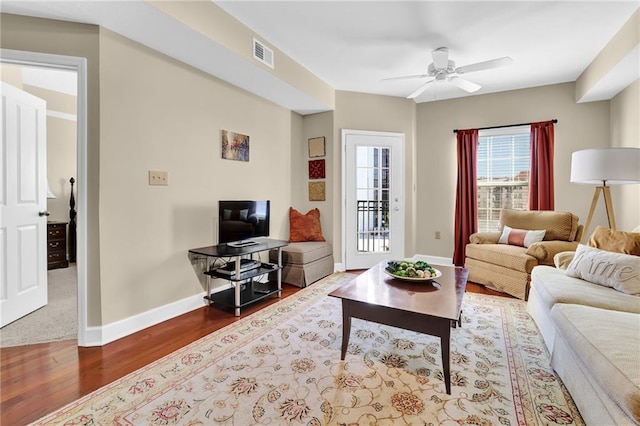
column 505, row 264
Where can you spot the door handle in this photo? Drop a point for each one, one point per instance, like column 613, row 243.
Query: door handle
column 44, row 213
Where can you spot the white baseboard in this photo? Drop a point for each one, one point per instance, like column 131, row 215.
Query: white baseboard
column 99, row 336
column 436, row 260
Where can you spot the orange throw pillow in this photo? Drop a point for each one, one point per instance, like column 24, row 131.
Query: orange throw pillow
column 304, row 227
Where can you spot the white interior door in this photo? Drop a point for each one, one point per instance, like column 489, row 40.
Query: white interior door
column 23, row 203
column 374, row 197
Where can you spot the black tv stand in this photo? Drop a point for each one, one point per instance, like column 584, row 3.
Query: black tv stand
column 245, row 290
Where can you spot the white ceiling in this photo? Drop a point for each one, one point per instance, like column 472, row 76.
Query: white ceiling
column 353, row 45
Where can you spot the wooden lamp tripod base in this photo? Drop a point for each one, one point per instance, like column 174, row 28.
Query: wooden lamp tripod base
column 606, row 192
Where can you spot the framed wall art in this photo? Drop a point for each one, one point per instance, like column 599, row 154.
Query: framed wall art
column 316, row 147
column 316, row 169
column 316, row 191
column 235, row 146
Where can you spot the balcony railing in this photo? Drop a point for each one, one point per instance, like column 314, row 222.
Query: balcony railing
column 373, row 226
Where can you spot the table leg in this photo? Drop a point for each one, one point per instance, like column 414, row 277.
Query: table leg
column 209, row 266
column 237, row 285
column 446, row 367
column 279, row 273
column 346, row 328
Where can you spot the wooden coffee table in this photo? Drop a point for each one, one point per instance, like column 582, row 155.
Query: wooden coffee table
column 418, row 306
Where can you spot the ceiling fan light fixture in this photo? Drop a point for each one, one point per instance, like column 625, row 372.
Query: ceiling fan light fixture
column 442, row 69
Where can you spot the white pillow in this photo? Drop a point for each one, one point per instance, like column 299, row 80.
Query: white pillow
column 520, row 237
column 616, row 270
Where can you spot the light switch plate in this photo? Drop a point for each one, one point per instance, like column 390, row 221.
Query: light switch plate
column 160, row 178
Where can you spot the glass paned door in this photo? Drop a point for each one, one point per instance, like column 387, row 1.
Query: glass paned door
column 372, row 200
column 373, row 226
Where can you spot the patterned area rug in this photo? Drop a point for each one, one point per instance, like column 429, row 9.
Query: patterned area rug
column 281, row 366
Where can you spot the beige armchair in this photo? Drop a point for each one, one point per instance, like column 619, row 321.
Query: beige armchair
column 506, row 267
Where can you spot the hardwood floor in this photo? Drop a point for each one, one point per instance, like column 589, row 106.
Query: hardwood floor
column 38, row 379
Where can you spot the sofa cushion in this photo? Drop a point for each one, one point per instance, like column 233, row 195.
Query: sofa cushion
column 553, row 287
column 558, row 225
column 607, row 343
column 616, row 270
column 616, row 241
column 512, row 257
column 302, row 253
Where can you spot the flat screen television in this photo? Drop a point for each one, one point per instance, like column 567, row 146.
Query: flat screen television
column 242, row 220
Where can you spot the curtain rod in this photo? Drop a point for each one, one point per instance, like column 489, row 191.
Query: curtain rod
column 506, row 125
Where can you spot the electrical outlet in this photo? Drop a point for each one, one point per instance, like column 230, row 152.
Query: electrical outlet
column 437, row 235
column 158, row 178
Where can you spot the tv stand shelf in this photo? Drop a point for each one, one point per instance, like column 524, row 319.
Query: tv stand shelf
column 265, row 268
column 245, row 289
column 249, row 293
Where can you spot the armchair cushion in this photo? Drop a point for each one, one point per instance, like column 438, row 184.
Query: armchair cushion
column 563, row 259
column 558, row 225
column 508, row 256
column 544, row 251
column 484, row 238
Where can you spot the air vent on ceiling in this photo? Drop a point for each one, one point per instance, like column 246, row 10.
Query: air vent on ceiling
column 262, row 53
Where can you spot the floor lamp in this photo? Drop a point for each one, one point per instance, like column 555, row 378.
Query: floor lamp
column 605, row 167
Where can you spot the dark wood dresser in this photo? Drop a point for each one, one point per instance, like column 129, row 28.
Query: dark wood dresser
column 57, row 245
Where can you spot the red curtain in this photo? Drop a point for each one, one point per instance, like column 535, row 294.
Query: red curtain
column 466, row 218
column 541, row 193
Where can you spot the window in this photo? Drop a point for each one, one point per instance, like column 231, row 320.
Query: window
column 504, row 157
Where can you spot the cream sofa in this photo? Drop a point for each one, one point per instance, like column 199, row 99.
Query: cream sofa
column 592, row 333
column 507, row 268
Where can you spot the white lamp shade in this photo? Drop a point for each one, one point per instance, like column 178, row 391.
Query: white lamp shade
column 611, row 166
column 50, row 194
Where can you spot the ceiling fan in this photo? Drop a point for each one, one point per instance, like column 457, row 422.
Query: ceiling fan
column 444, row 69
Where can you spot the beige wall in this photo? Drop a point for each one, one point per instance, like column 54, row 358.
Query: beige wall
column 625, row 132
column 80, row 40
column 159, row 114
column 61, row 165
column 360, row 111
column 315, row 125
column 579, row 126
column 621, row 45
column 211, row 21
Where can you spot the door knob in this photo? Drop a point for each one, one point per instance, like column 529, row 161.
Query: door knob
column 44, row 213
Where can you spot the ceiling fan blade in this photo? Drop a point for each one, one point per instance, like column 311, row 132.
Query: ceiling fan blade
column 440, row 57
column 420, row 89
column 406, row 77
column 486, row 65
column 464, row 84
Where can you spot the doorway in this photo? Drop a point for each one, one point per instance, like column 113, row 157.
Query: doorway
column 43, row 62
column 373, row 184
